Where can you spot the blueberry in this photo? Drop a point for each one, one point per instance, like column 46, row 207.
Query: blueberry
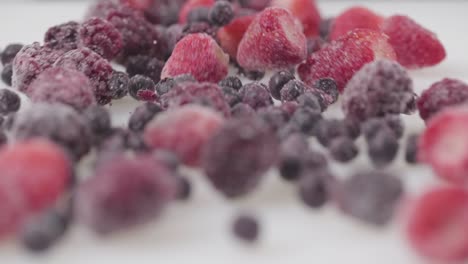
column 98, row 119
column 343, row 149
column 411, row 154
column 293, row 151
column 277, row 81
column 382, row 147
column 221, row 13
column 231, row 81
column 9, row 53
column 306, row 119
column 231, row 96
column 313, row 189
column 140, row 83
column 329, row 88
column 252, row 75
column 246, row 228
column 118, row 84
column 242, row 110
column 310, row 100
column 9, row 102
column 145, row 65
column 292, row 90
column 142, row 115
column 255, row 95
column 327, row 130
column 7, row 74
column 274, row 116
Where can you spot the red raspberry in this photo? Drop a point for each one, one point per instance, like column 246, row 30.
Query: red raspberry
column 306, row 11
column 97, row 69
column 437, row 224
column 101, row 37
column 209, row 94
column 198, row 55
column 440, row 95
column 231, row 35
column 125, row 192
column 62, row 37
column 63, row 85
column 183, row 131
column 30, row 61
column 342, row 58
column 190, row 5
column 274, row 40
column 34, row 174
column 444, row 145
column 353, row 18
column 415, row 46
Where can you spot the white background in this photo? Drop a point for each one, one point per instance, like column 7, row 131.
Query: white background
column 198, row 231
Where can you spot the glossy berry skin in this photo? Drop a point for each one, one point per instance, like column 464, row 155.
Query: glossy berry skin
column 353, row 18
column 101, row 37
column 9, row 53
column 142, row 115
column 7, row 74
column 306, row 11
column 198, row 55
column 372, row 197
column 63, row 85
column 440, row 95
column 342, row 58
column 183, row 131
column 380, row 88
column 125, row 192
column 238, row 154
column 231, row 35
column 415, row 46
column 277, row 81
column 443, row 145
column 9, row 102
column 97, row 69
column 246, row 228
column 36, row 186
column 255, row 95
column 274, row 40
column 435, row 224
column 62, row 37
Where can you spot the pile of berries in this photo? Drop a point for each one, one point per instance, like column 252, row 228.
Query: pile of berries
column 177, row 56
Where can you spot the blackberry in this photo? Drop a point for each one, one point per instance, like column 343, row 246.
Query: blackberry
column 411, row 153
column 313, row 189
column 231, row 81
column 198, row 14
column 9, row 102
column 382, row 147
column 221, row 13
column 343, row 149
column 9, row 53
column 255, row 95
column 139, row 83
column 246, row 228
column 292, row 90
column 63, row 37
column 329, row 88
column 7, row 74
column 101, row 37
column 118, row 85
column 145, row 65
column 142, row 115
column 277, row 81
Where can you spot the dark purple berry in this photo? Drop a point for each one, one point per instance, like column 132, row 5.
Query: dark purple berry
column 231, row 96
column 274, row 116
column 98, row 119
column 164, row 12
column 325, row 27
column 313, row 189
column 392, row 123
column 63, row 37
column 292, row 90
column 142, row 115
column 396, row 125
column 370, row 196
column 9, row 102
column 253, row 75
column 354, row 128
column 199, row 14
column 231, row 81
column 292, row 153
column 306, row 119
column 343, row 149
column 9, row 53
column 242, row 110
column 382, row 147
column 329, row 129
column 165, row 85
column 246, row 228
column 277, row 81
column 238, row 155
column 7, row 74
column 329, row 90
column 411, row 153
column 255, row 95
column 173, row 34
column 145, row 65
column 101, row 37
column 314, row 160
column 221, row 13
column 118, row 85
column 140, row 83
column 185, row 188
column 311, row 101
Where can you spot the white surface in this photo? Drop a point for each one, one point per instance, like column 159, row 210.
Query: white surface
column 199, row 231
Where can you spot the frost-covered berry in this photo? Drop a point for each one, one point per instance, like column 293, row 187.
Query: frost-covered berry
column 9, row 102
column 118, row 85
column 199, row 14
column 277, row 81
column 392, row 122
column 329, row 90
column 7, row 74
column 231, row 96
column 139, row 83
column 232, row 82
column 292, row 90
column 255, row 95
column 221, row 13
column 101, row 37
column 343, row 149
column 305, row 119
column 9, row 53
column 329, row 129
column 98, row 119
column 312, row 101
column 145, row 65
column 382, row 147
column 242, row 110
column 63, row 37
column 274, row 116
column 292, row 153
column 142, row 115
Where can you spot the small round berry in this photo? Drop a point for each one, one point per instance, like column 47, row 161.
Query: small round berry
column 231, row 81
column 9, row 53
column 7, row 74
column 118, row 85
column 343, row 149
column 142, row 115
column 274, row 116
column 310, row 100
column 253, row 75
column 231, row 96
column 221, row 13
column 382, row 148
column 199, row 14
column 145, row 65
column 9, row 102
column 242, row 110
column 277, row 81
column 140, row 83
column 98, row 119
column 292, row 90
column 255, row 95
column 306, row 119
column 411, row 153
column 246, row 228
column 313, row 189
column 329, row 88
column 293, row 151
column 63, row 37
column 329, row 129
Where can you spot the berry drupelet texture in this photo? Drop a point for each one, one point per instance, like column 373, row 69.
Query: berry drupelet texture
column 101, row 37
column 63, row 37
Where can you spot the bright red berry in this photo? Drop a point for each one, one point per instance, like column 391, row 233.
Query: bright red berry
column 231, row 35
column 353, row 18
column 306, row 11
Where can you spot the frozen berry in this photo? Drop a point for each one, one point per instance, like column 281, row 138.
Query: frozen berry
column 241, row 110
column 306, row 11
column 140, row 83
column 232, row 82
column 208, row 94
column 98, row 119
column 101, row 37
column 306, row 119
column 9, row 53
column 221, row 13
column 327, row 130
column 414, row 45
column 372, row 197
column 164, row 12
column 145, row 65
column 443, row 145
column 118, row 85
column 34, row 175
column 313, row 189
column 255, row 95
column 311, row 100
column 190, row 5
column 257, row 5
column 343, row 149
column 292, row 153
column 30, row 61
column 292, row 90
column 353, row 18
column 172, row 35
column 101, row 8
column 246, row 228
column 59, row 123
column 183, row 131
column 142, row 115
column 123, row 193
column 392, row 122
column 436, row 224
column 442, row 94
column 253, row 75
column 199, row 14
column 382, row 147
column 63, row 37
column 411, row 152
column 7, row 74
column 277, row 81
column 380, row 88
column 200, row 56
column 62, row 85
column 9, row 102
column 341, row 59
column 96, row 68
column 231, row 35
column 231, row 96
column 238, row 155
column 274, row 116
column 329, row 90
column 274, row 40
